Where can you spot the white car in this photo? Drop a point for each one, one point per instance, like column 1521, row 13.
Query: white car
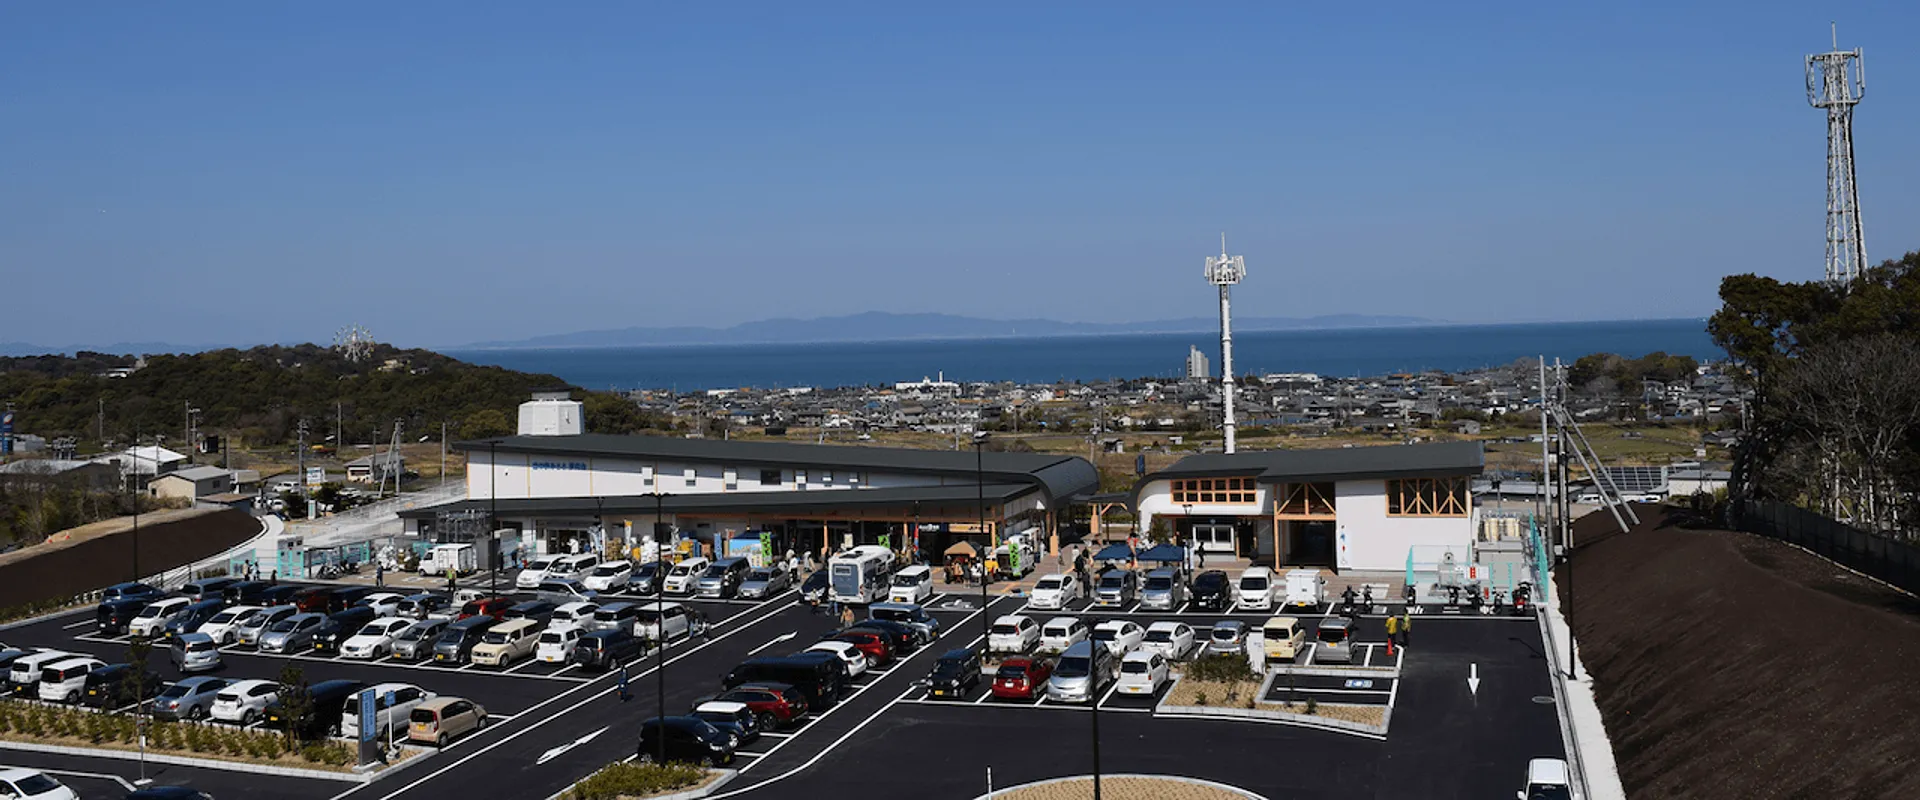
column 225, row 626
column 577, row 614
column 533, row 573
column 62, row 681
column 384, row 604
column 376, row 638
column 1061, row 632
column 1142, row 672
column 1172, row 640
column 572, row 567
column 684, row 575
column 556, row 645
column 27, row 784
column 611, row 576
column 1013, row 633
column 911, row 585
column 148, row 623
column 1546, row 778
column 243, row 702
column 387, row 717
column 1055, row 591
column 848, row 654
column 1120, row 636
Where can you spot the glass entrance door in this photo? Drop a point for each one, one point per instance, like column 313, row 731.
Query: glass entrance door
column 1214, row 538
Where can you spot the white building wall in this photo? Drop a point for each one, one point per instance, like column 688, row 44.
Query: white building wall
column 1368, row 539
column 1156, row 498
column 523, row 475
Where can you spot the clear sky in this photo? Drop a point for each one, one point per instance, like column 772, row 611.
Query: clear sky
column 447, row 172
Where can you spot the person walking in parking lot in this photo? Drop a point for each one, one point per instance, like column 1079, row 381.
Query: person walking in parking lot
column 1406, row 629
column 1393, row 633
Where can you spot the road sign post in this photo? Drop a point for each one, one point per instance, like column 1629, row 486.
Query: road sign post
column 369, row 745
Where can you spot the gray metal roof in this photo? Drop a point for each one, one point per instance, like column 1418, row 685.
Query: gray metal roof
column 756, row 503
column 1334, row 464
column 1059, row 476
column 200, row 473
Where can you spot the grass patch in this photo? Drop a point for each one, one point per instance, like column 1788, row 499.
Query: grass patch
column 1364, row 715
column 631, row 780
column 76, row 727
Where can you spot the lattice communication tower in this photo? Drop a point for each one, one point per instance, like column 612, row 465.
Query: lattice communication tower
column 1836, row 80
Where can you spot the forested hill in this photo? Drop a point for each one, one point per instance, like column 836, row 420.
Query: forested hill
column 262, row 393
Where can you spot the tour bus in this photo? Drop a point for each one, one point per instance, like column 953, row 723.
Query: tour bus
column 859, row 575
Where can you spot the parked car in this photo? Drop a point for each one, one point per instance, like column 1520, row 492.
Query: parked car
column 609, row 576
column 311, row 599
column 556, row 645
column 905, row 638
column 722, row 578
column 244, row 702
column 814, row 588
column 685, row 739
column 1547, row 779
column 326, row 701
column 19, row 783
column 955, row 673
column 23, row 676
column 537, row 610
column 669, row 620
column 425, row 605
column 1142, row 672
column 506, row 643
column 112, row 617
column 116, row 685
column 1080, row 672
column 855, row 658
column 245, row 593
column 1164, row 590
column 194, row 652
column 393, row 705
column 1211, row 591
column 1060, row 633
column 573, row 567
column 249, row 630
column 1120, row 636
column 1116, row 588
column 65, row 680
column 281, row 595
column 1013, row 633
column 878, row 646
column 191, row 618
column 154, row 618
column 681, row 579
column 444, row 719
column 533, row 573
column 189, row 699
column 224, row 627
column 577, row 615
column 495, row 607
column 820, row 678
column 1333, row 641
column 384, row 604
column 1228, row 637
column 206, row 589
column 132, row 590
column 375, row 639
column 1254, row 591
column 342, row 598
column 641, row 581
column 908, row 614
column 417, row 641
column 339, row 627
column 913, row 584
column 1055, row 591
column 777, row 705
column 564, row 590
column 735, row 719
column 615, row 617
column 1282, row 638
column 1172, row 640
column 764, row 582
column 1021, row 678
column 457, row 641
column 604, row 650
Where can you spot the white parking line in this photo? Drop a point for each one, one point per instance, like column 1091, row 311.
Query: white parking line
column 1110, row 690
column 518, row 667
column 1311, row 646
column 743, row 753
column 124, row 784
column 81, row 624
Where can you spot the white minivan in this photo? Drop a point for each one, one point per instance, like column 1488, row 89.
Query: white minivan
column 911, row 585
column 62, row 681
column 1254, row 591
column 684, row 575
column 24, row 675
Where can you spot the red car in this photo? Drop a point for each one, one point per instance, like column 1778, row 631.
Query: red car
column 312, row 599
column 495, row 607
column 877, row 646
column 776, row 704
column 1021, row 678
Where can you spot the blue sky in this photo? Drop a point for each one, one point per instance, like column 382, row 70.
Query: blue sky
column 452, row 172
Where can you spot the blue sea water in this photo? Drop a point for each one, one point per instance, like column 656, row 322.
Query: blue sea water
column 1348, row 352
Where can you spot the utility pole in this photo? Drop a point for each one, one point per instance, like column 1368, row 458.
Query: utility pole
column 187, row 428
column 1224, row 272
column 301, row 449
column 339, row 440
column 100, row 422
column 443, row 452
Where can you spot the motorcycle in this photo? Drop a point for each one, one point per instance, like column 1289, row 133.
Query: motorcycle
column 1474, row 599
column 1453, row 595
column 1523, row 599
column 1366, row 598
column 1346, row 602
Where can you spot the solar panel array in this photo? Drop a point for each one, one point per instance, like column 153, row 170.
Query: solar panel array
column 1637, row 480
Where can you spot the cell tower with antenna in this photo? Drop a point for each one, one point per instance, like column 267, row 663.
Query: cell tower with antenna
column 1836, row 80
column 354, row 341
column 1224, row 272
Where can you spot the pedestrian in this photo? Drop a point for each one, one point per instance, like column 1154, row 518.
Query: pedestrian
column 793, row 569
column 846, row 616
column 1199, row 558
column 624, row 694
column 1393, row 633
column 1406, row 630
column 379, row 574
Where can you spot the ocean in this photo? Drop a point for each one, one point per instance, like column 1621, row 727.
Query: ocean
column 1346, row 352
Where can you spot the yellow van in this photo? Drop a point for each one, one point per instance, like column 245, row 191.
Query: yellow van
column 1284, row 637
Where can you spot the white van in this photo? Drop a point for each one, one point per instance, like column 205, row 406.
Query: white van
column 25, row 672
column 388, row 719
column 572, row 567
column 911, row 585
column 1306, row 589
column 1254, row 591
column 62, row 681
column 685, row 575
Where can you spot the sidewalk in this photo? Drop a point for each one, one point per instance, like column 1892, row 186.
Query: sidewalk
column 1589, row 751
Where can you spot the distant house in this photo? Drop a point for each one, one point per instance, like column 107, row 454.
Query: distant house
column 144, row 461
column 1467, row 427
column 192, row 483
column 376, row 467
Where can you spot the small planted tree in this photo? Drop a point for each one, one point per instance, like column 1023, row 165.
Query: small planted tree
column 295, row 701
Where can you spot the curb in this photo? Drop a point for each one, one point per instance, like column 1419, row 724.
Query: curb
column 726, row 776
column 1173, row 778
column 1170, row 711
column 1336, row 672
column 187, row 761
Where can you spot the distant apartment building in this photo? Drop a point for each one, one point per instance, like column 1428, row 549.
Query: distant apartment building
column 1197, row 366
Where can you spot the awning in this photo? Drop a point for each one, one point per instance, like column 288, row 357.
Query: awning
column 1114, row 552
column 1165, row 553
column 962, row 549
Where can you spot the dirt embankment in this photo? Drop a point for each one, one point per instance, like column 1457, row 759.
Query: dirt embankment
column 1733, row 666
column 101, row 554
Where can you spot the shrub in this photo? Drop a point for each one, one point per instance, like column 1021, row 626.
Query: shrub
column 1199, row 698
column 636, row 780
column 1221, row 669
column 1313, row 706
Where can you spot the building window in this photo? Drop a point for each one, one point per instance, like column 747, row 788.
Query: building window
column 690, row 477
column 769, row 477
column 731, row 478
column 1305, row 500
column 800, row 479
column 1427, row 497
column 646, row 476
column 853, row 479
column 826, row 478
column 1214, row 490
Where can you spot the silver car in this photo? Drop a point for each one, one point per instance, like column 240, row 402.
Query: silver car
column 194, row 652
column 416, row 642
column 1080, row 673
column 1333, row 643
column 1116, row 588
column 248, row 631
column 1229, row 637
column 191, row 698
column 293, row 634
column 1164, row 590
column 763, row 582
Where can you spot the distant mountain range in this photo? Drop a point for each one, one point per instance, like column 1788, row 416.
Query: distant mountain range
column 882, row 326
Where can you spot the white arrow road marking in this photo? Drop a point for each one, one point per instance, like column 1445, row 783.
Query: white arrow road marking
column 776, row 640
column 1473, row 679
column 562, row 749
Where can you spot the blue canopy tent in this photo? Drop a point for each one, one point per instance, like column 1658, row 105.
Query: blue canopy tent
column 1114, row 552
column 1165, row 554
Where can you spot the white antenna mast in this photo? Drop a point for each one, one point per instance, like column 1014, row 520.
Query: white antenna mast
column 1836, row 80
column 1224, row 272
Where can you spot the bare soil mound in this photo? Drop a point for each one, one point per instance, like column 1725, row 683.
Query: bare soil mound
column 1729, row 665
column 104, row 555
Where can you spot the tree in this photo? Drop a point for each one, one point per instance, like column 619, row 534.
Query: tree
column 296, row 701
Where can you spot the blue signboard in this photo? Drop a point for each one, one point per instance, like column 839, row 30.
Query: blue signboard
column 366, row 716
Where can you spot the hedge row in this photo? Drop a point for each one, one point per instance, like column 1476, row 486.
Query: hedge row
column 29, row 721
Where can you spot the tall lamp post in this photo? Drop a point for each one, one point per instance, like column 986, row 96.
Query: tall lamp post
column 493, row 517
column 980, row 482
column 660, row 619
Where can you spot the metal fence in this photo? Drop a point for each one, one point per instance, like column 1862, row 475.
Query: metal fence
column 1895, row 562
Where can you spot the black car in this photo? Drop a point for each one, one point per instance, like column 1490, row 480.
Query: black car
column 905, row 638
column 423, row 605
column 820, row 677
column 1211, row 591
column 740, row 722
column 814, row 588
column 7, row 657
column 280, row 595
column 116, row 685
column 685, row 739
column 339, row 627
column 323, row 717
column 343, row 598
column 191, row 618
column 246, row 593
column 112, row 616
column 955, row 674
column 539, row 611
column 131, row 591
column 608, row 649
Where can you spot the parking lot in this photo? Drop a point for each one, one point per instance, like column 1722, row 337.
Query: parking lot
column 555, row 723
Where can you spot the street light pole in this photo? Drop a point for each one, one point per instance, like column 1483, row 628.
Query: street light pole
column 980, row 482
column 493, row 518
column 660, row 620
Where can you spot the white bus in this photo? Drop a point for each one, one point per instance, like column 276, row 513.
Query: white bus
column 860, row 575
